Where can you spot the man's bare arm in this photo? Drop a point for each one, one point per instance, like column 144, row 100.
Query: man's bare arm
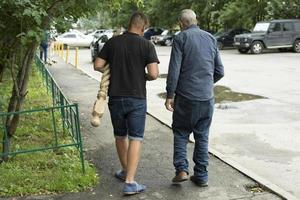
column 99, row 64
column 153, row 72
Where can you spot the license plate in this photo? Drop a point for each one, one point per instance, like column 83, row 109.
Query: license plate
column 237, row 43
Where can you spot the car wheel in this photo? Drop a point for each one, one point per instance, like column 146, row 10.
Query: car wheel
column 257, row 47
column 296, row 46
column 243, row 51
column 168, row 42
column 220, row 45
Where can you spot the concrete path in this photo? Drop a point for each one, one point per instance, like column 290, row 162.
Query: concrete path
column 155, row 169
column 260, row 137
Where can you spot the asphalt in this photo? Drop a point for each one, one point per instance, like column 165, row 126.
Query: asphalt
column 155, row 168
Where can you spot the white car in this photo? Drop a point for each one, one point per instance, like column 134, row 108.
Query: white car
column 75, row 39
column 98, row 33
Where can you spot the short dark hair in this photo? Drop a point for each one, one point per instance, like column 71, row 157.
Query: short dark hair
column 138, row 19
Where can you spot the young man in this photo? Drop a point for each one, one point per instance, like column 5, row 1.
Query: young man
column 195, row 65
column 127, row 56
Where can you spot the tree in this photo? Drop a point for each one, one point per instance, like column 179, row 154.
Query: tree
column 287, row 9
column 20, row 34
column 242, row 13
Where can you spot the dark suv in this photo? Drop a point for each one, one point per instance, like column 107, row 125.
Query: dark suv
column 276, row 34
column 225, row 38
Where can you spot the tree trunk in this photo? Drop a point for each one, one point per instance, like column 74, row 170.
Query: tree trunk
column 19, row 92
column 1, row 72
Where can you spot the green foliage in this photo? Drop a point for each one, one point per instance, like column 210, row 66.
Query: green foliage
column 46, row 172
column 287, row 9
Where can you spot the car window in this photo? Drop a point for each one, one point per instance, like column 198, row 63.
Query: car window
column 233, row 32
column 287, row 26
column 165, row 32
column 70, row 36
column 297, row 26
column 275, row 27
column 261, row 27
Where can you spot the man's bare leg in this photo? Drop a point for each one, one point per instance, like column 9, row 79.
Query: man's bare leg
column 122, row 149
column 133, row 156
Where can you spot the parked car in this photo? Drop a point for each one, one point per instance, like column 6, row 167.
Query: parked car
column 165, row 38
column 275, row 34
column 152, row 31
column 97, row 45
column 98, row 33
column 75, row 39
column 226, row 38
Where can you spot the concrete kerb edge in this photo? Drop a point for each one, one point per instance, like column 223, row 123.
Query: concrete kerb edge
column 262, row 181
column 250, row 174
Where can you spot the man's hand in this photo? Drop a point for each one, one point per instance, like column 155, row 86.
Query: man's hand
column 169, row 104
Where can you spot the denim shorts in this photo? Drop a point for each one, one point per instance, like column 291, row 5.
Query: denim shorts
column 128, row 116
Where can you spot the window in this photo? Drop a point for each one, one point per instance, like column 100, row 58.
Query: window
column 261, row 27
column 70, row 36
column 287, row 26
column 297, row 26
column 275, row 27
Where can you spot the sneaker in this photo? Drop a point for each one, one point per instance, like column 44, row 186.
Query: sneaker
column 121, row 175
column 133, row 188
column 182, row 176
column 198, row 182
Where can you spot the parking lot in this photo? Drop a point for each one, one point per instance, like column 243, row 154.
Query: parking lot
column 260, row 137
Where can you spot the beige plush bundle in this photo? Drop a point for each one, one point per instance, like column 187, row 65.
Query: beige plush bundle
column 100, row 103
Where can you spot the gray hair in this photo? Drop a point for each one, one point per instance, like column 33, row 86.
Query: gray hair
column 188, row 17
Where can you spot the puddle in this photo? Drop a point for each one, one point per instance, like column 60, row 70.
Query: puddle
column 225, row 94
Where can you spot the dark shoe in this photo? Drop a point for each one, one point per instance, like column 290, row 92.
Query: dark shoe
column 121, row 175
column 133, row 188
column 198, row 182
column 182, row 176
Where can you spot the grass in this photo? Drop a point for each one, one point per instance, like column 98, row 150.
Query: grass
column 48, row 172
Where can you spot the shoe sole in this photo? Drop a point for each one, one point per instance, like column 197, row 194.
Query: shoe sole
column 179, row 181
column 121, row 179
column 199, row 184
column 132, row 193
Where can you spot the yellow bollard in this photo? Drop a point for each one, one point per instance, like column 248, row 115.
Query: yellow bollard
column 56, row 48
column 59, row 49
column 76, row 57
column 67, row 54
column 62, row 50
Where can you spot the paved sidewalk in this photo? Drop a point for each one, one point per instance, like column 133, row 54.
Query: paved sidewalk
column 155, row 168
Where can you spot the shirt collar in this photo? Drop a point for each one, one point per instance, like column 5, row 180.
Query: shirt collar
column 131, row 33
column 192, row 26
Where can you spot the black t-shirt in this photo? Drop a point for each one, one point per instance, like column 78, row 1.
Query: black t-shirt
column 128, row 55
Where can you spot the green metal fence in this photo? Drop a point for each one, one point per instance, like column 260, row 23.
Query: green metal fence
column 63, row 114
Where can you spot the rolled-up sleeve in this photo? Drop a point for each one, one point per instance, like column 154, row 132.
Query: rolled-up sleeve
column 174, row 67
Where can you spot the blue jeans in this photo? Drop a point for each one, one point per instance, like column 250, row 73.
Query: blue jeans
column 128, row 116
column 43, row 52
column 192, row 116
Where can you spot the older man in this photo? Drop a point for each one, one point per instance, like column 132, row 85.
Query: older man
column 194, row 67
